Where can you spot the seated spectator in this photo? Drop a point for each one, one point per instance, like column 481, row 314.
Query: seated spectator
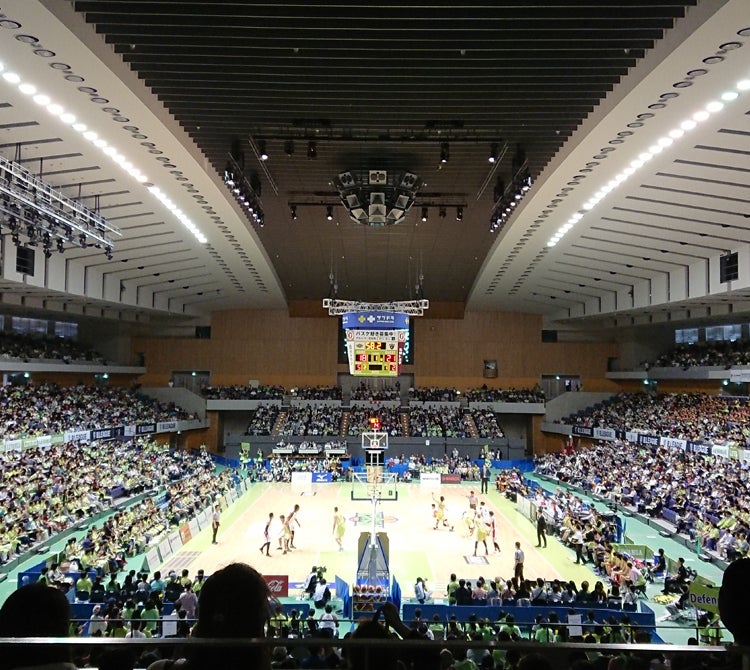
column 675, row 582
column 328, row 621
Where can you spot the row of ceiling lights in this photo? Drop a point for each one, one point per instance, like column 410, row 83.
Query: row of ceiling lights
column 243, row 191
column 442, row 212
column 312, row 151
column 116, row 156
column 667, row 140
column 507, row 199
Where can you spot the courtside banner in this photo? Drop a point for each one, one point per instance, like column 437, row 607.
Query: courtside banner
column 322, row 478
column 429, row 479
column 450, row 479
column 166, row 427
column 278, row 585
column 77, row 436
column 583, row 431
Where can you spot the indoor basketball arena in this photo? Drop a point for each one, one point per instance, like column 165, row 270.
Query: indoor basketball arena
column 355, row 335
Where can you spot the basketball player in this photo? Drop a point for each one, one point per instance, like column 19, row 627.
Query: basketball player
column 440, row 515
column 469, row 518
column 482, row 532
column 283, row 534
column 473, row 501
column 292, row 519
column 267, row 535
column 493, row 530
column 339, row 527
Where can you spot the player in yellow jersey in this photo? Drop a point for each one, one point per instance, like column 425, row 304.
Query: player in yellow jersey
column 439, row 513
column 339, row 527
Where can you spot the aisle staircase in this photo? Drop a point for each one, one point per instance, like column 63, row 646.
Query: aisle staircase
column 279, row 423
column 472, row 427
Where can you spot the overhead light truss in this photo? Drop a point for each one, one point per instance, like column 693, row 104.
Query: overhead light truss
column 35, row 210
column 337, row 307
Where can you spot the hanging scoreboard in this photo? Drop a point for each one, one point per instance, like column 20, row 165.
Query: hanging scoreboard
column 375, row 342
column 374, row 354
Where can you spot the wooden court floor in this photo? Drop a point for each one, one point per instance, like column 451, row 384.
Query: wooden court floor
column 416, row 550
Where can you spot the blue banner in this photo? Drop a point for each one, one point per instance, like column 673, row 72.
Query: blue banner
column 321, row 478
column 699, row 448
column 385, row 320
column 102, row 434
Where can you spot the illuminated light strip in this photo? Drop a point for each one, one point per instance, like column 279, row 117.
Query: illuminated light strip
column 69, row 119
column 673, row 135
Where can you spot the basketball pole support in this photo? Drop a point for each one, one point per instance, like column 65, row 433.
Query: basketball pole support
column 374, row 442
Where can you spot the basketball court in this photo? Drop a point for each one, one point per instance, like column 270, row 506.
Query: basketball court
column 404, row 512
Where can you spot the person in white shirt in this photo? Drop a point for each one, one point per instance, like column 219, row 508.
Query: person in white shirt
column 97, row 624
column 518, row 559
column 322, row 594
column 576, row 540
column 420, row 591
column 329, row 621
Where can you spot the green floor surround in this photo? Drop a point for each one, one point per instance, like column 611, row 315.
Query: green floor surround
column 413, row 560
column 641, row 533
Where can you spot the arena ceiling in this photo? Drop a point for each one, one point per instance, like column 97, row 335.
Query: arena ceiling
column 581, row 90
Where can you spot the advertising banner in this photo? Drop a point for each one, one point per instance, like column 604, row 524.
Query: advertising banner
column 278, row 585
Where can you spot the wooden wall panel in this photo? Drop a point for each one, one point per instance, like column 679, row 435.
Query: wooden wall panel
column 275, row 348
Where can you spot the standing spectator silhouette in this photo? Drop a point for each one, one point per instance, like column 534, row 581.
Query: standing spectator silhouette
column 735, row 585
column 36, row 610
column 233, row 604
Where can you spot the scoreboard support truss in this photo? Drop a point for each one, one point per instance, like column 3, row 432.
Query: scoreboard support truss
column 337, row 307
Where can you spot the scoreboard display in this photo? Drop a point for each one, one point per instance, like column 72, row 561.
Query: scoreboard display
column 376, row 342
column 375, row 358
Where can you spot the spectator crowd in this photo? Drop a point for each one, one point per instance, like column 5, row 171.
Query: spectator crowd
column 705, row 354
column 44, row 491
column 704, row 497
column 688, row 416
column 26, row 347
column 48, row 409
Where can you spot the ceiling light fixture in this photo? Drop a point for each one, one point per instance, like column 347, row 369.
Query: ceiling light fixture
column 459, row 213
column 445, row 152
column 507, row 198
column 289, row 148
column 262, row 150
column 424, row 213
column 245, row 192
column 441, row 212
column 293, row 211
column 312, row 150
column 377, row 197
column 69, row 119
column 672, row 136
column 329, row 212
column 492, row 158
